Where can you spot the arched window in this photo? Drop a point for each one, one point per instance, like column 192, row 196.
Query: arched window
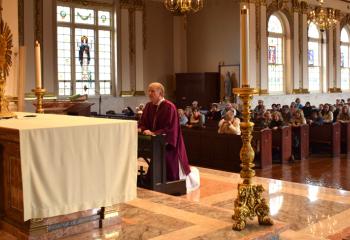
column 314, row 57
column 344, row 58
column 275, row 55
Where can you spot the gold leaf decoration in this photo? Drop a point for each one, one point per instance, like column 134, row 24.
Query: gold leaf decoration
column 5, row 48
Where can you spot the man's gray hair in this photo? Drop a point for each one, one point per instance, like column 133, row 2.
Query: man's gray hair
column 157, row 86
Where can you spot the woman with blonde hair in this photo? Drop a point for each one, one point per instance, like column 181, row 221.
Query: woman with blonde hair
column 229, row 124
column 298, row 118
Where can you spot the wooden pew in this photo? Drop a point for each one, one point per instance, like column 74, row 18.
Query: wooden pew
column 282, row 143
column 345, row 137
column 262, row 145
column 302, row 134
column 152, row 149
column 326, row 138
column 207, row 148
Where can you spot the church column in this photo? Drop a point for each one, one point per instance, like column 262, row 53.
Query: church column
column 139, row 46
column 180, row 44
column 252, row 49
column 125, row 56
column 328, row 81
column 337, row 70
column 296, row 50
column 263, row 47
column 304, row 27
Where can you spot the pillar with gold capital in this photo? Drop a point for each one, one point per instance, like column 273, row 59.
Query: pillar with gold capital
column 249, row 202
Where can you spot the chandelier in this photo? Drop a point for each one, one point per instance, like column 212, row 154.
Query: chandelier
column 183, row 7
column 324, row 18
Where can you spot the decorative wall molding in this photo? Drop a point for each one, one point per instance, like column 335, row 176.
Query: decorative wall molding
column 88, row 3
column 281, row 6
column 38, row 21
column 300, row 91
column 21, row 22
column 334, row 90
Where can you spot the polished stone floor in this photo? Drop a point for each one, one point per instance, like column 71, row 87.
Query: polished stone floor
column 300, row 211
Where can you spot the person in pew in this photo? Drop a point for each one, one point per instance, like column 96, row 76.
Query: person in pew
column 228, row 107
column 336, row 109
column 298, row 118
column 344, row 115
column 315, row 118
column 196, row 120
column 229, row 124
column 307, row 109
column 188, row 112
column 265, row 121
column 160, row 117
column 286, row 115
column 259, row 111
column 327, row 114
column 214, row 112
column 298, row 105
column 182, row 117
column 277, row 121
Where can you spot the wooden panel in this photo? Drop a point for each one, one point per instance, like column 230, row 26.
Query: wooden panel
column 207, row 148
column 282, row 143
column 345, row 137
column 325, row 138
column 301, row 133
column 13, row 192
column 203, row 87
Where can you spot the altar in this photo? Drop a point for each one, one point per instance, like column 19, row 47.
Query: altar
column 53, row 166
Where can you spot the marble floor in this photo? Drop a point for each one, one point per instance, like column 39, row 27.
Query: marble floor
column 300, row 212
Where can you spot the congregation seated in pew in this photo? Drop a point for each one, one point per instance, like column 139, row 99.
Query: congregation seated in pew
column 229, row 124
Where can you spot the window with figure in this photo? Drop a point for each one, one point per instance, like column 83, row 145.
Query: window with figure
column 314, row 55
column 344, row 58
column 275, row 55
column 84, row 49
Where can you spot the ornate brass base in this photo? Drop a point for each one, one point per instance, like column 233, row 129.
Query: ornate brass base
column 39, row 93
column 249, row 202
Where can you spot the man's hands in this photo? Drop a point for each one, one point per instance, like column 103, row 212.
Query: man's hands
column 149, row 133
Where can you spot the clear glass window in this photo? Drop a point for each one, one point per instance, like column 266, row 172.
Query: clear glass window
column 314, row 55
column 275, row 55
column 345, row 59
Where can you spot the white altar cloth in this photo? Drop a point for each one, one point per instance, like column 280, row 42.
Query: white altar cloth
column 71, row 164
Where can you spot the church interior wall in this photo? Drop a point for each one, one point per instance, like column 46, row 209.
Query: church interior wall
column 213, row 36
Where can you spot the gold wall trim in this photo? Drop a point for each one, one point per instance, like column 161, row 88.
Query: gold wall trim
column 127, row 93
column 334, row 90
column 300, row 91
column 139, row 93
column 263, row 92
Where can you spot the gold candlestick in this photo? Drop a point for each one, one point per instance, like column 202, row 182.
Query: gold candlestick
column 249, row 202
column 39, row 93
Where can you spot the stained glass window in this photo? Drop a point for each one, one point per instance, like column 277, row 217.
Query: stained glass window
column 104, row 18
column 84, row 51
column 314, row 57
column 345, row 59
column 84, row 16
column 275, row 55
column 63, row 14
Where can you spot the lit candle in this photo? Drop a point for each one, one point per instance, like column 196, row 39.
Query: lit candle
column 244, row 39
column 37, row 65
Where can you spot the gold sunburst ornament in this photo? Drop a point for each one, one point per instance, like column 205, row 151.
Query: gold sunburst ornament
column 5, row 64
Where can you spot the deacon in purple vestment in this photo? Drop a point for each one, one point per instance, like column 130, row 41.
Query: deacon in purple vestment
column 160, row 117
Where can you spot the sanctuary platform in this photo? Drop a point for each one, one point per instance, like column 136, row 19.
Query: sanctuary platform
column 300, row 212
